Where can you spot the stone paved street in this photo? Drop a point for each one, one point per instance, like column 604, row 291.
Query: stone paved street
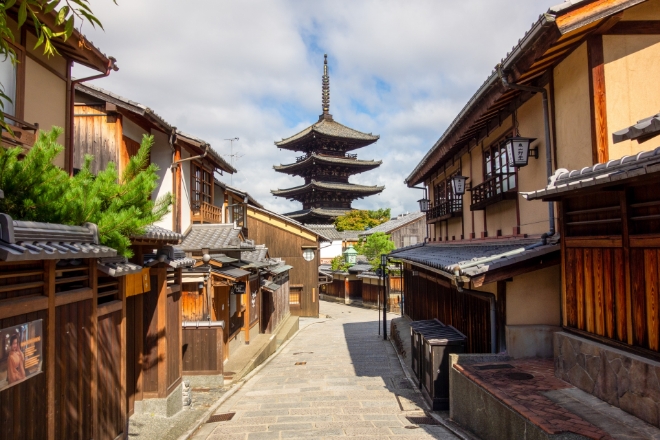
column 336, row 378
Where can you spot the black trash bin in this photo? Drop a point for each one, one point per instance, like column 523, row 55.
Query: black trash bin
column 416, row 345
column 437, row 346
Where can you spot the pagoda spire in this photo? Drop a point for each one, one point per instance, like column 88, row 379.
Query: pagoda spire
column 325, row 93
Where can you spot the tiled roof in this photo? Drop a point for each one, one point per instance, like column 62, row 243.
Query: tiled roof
column 644, row 129
column 280, row 268
column 329, row 160
column 259, row 253
column 395, row 223
column 22, row 240
column 222, row 163
column 474, row 259
column 231, row 272
column 360, row 268
column 564, row 181
column 318, row 213
column 329, row 127
column 117, row 266
column 288, row 219
column 223, row 259
column 156, row 233
column 240, row 192
column 216, row 237
column 273, row 287
column 174, row 256
column 329, row 186
column 331, row 232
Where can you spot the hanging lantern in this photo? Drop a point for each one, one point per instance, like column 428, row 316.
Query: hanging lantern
column 383, row 260
column 519, row 152
column 423, row 204
column 350, row 255
column 458, row 184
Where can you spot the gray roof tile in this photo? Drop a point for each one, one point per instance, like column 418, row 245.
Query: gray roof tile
column 215, row 237
column 395, row 223
column 329, row 127
column 117, row 266
column 331, row 232
column 644, row 129
column 259, row 254
column 156, row 233
column 350, row 187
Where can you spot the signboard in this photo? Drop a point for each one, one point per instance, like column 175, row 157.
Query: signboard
column 21, row 349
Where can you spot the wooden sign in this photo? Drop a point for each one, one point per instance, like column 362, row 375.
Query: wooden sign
column 20, row 353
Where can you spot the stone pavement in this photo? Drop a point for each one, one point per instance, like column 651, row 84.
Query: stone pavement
column 336, row 378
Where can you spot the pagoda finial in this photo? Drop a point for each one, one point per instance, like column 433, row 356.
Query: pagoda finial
column 325, row 94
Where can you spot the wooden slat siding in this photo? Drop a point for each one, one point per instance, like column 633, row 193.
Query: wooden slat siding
column 151, row 336
column 651, row 287
column 589, row 290
column 599, row 301
column 202, row 351
column 620, row 297
column 36, row 271
column 571, row 289
column 95, row 135
column 638, row 297
column 580, row 290
column 111, row 421
column 23, row 409
column 609, row 288
column 355, row 289
column 193, row 303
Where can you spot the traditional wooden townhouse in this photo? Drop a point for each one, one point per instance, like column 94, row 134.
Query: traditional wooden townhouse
column 404, row 230
column 36, row 76
column 490, row 264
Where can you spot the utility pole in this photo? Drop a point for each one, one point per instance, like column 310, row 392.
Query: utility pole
column 232, row 156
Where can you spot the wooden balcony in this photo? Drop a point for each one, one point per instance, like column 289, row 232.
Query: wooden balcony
column 444, row 211
column 24, row 134
column 203, row 212
column 502, row 186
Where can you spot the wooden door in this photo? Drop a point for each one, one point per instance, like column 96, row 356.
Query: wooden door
column 267, row 310
column 221, row 306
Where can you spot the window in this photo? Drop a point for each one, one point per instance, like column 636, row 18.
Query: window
column 202, row 184
column 496, row 167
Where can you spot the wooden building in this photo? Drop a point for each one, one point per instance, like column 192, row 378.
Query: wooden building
column 326, row 166
column 61, row 277
column 404, row 230
column 492, row 270
column 299, row 246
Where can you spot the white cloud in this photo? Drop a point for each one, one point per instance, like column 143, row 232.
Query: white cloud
column 252, row 70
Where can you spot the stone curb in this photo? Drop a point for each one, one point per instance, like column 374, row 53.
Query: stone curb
column 448, row 424
column 236, row 387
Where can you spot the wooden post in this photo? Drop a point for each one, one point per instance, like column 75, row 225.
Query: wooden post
column 597, row 100
column 93, row 283
column 246, row 315
column 122, row 380
column 161, row 307
column 49, row 290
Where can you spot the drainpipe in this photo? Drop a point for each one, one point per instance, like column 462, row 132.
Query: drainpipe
column 202, row 156
column 548, row 145
column 426, row 197
column 111, row 66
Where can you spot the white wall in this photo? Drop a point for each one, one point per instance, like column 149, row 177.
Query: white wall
column 185, row 192
column 161, row 155
column 331, row 251
column 132, row 131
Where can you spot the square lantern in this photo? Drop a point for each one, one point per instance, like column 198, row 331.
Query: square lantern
column 383, row 260
column 424, row 204
column 458, row 184
column 519, row 152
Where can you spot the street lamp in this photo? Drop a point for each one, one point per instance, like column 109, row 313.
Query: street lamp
column 518, row 150
column 383, row 266
column 458, row 184
column 423, row 204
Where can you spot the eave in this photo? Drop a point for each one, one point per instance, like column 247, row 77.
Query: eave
column 316, row 159
column 359, row 190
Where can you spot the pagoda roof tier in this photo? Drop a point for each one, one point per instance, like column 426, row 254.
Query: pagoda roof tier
column 362, row 190
column 319, row 159
column 327, row 129
column 317, row 215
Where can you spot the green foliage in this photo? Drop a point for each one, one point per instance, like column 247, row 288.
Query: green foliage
column 374, row 246
column 359, row 220
column 67, row 14
column 338, row 264
column 120, row 206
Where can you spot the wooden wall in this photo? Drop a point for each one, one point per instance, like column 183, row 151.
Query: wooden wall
column 288, row 246
column 337, row 288
column 429, row 296
column 202, row 350
column 193, row 302
column 275, row 307
column 111, row 418
column 611, row 265
column 415, row 229
column 98, row 135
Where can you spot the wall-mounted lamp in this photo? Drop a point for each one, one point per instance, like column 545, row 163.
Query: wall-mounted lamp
column 458, row 184
column 519, row 152
column 424, row 204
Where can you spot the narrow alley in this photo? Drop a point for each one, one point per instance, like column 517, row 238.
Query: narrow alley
column 336, row 378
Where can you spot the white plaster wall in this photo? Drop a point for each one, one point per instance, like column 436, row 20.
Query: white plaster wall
column 133, row 131
column 331, row 251
column 185, row 192
column 161, row 155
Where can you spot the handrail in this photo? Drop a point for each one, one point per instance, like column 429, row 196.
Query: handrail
column 448, row 207
column 21, row 123
column 493, row 186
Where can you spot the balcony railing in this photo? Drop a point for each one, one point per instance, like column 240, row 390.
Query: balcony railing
column 345, row 156
column 203, row 212
column 444, row 210
column 24, row 133
column 501, row 186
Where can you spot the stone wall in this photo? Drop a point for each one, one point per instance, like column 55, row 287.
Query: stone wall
column 622, row 379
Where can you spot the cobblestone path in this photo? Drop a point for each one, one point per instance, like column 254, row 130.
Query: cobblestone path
column 336, row 378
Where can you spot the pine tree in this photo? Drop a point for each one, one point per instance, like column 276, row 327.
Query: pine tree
column 120, row 206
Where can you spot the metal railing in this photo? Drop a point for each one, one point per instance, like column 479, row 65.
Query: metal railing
column 345, row 156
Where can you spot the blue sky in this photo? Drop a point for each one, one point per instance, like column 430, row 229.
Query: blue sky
column 249, row 69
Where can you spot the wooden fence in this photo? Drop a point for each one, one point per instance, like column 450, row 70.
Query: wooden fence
column 202, row 350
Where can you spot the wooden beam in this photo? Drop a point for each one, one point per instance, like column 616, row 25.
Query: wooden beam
column 609, row 23
column 49, row 291
column 161, row 331
column 597, row 100
column 641, row 27
column 591, row 12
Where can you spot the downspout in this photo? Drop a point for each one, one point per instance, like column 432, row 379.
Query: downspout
column 202, row 156
column 426, row 238
column 548, row 145
column 72, row 98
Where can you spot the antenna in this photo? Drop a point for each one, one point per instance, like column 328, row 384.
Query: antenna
column 232, row 157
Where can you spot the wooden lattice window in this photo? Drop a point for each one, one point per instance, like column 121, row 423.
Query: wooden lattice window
column 497, row 167
column 202, row 185
column 294, row 296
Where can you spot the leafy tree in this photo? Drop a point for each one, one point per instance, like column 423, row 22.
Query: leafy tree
column 120, row 206
column 338, row 264
column 374, row 246
column 359, row 220
column 67, row 13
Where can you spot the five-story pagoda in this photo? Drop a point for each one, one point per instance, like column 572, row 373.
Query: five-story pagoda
column 326, row 165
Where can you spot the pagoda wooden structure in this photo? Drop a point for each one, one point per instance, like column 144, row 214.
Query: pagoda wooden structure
column 326, row 165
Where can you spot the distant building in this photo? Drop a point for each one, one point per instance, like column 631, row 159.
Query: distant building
column 340, row 241
column 404, row 230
